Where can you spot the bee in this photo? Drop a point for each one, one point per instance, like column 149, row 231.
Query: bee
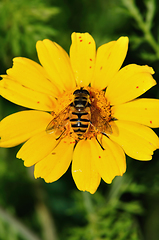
column 77, row 114
column 80, row 117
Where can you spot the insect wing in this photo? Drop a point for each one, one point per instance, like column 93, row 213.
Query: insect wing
column 108, row 128
column 103, row 126
column 59, row 121
column 52, row 126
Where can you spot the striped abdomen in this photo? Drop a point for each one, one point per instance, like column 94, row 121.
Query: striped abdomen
column 80, row 112
column 80, row 121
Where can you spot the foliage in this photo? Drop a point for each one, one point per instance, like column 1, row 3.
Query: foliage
column 110, row 217
column 31, row 209
column 22, row 24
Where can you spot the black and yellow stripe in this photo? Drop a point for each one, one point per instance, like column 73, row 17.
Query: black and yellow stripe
column 79, row 124
column 80, row 115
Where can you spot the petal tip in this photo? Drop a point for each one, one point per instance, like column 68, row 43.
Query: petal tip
column 124, row 39
column 38, row 44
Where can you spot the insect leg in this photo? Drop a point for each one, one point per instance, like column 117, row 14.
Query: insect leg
column 61, row 134
column 100, row 144
column 59, row 138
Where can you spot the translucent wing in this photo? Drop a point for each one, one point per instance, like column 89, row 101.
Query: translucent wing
column 59, row 121
column 99, row 122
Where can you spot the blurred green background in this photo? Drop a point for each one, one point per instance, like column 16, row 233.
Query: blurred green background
column 30, row 209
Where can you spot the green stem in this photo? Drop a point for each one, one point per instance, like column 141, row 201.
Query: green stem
column 143, row 25
column 45, row 218
column 92, row 215
column 21, row 229
column 47, row 223
column 48, row 228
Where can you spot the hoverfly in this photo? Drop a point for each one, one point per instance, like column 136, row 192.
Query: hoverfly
column 78, row 115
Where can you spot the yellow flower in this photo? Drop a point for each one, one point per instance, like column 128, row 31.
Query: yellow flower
column 115, row 121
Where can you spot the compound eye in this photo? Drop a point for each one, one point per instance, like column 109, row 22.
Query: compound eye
column 85, row 92
column 79, row 91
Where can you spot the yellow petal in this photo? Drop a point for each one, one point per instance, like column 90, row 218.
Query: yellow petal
column 129, row 83
column 138, row 141
column 56, row 62
column 82, row 56
column 109, row 162
column 117, row 152
column 144, row 111
column 57, row 162
column 20, row 126
column 84, row 172
column 32, row 75
column 109, row 59
column 37, row 148
column 23, row 96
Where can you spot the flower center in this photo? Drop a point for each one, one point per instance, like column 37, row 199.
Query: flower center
column 81, row 114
